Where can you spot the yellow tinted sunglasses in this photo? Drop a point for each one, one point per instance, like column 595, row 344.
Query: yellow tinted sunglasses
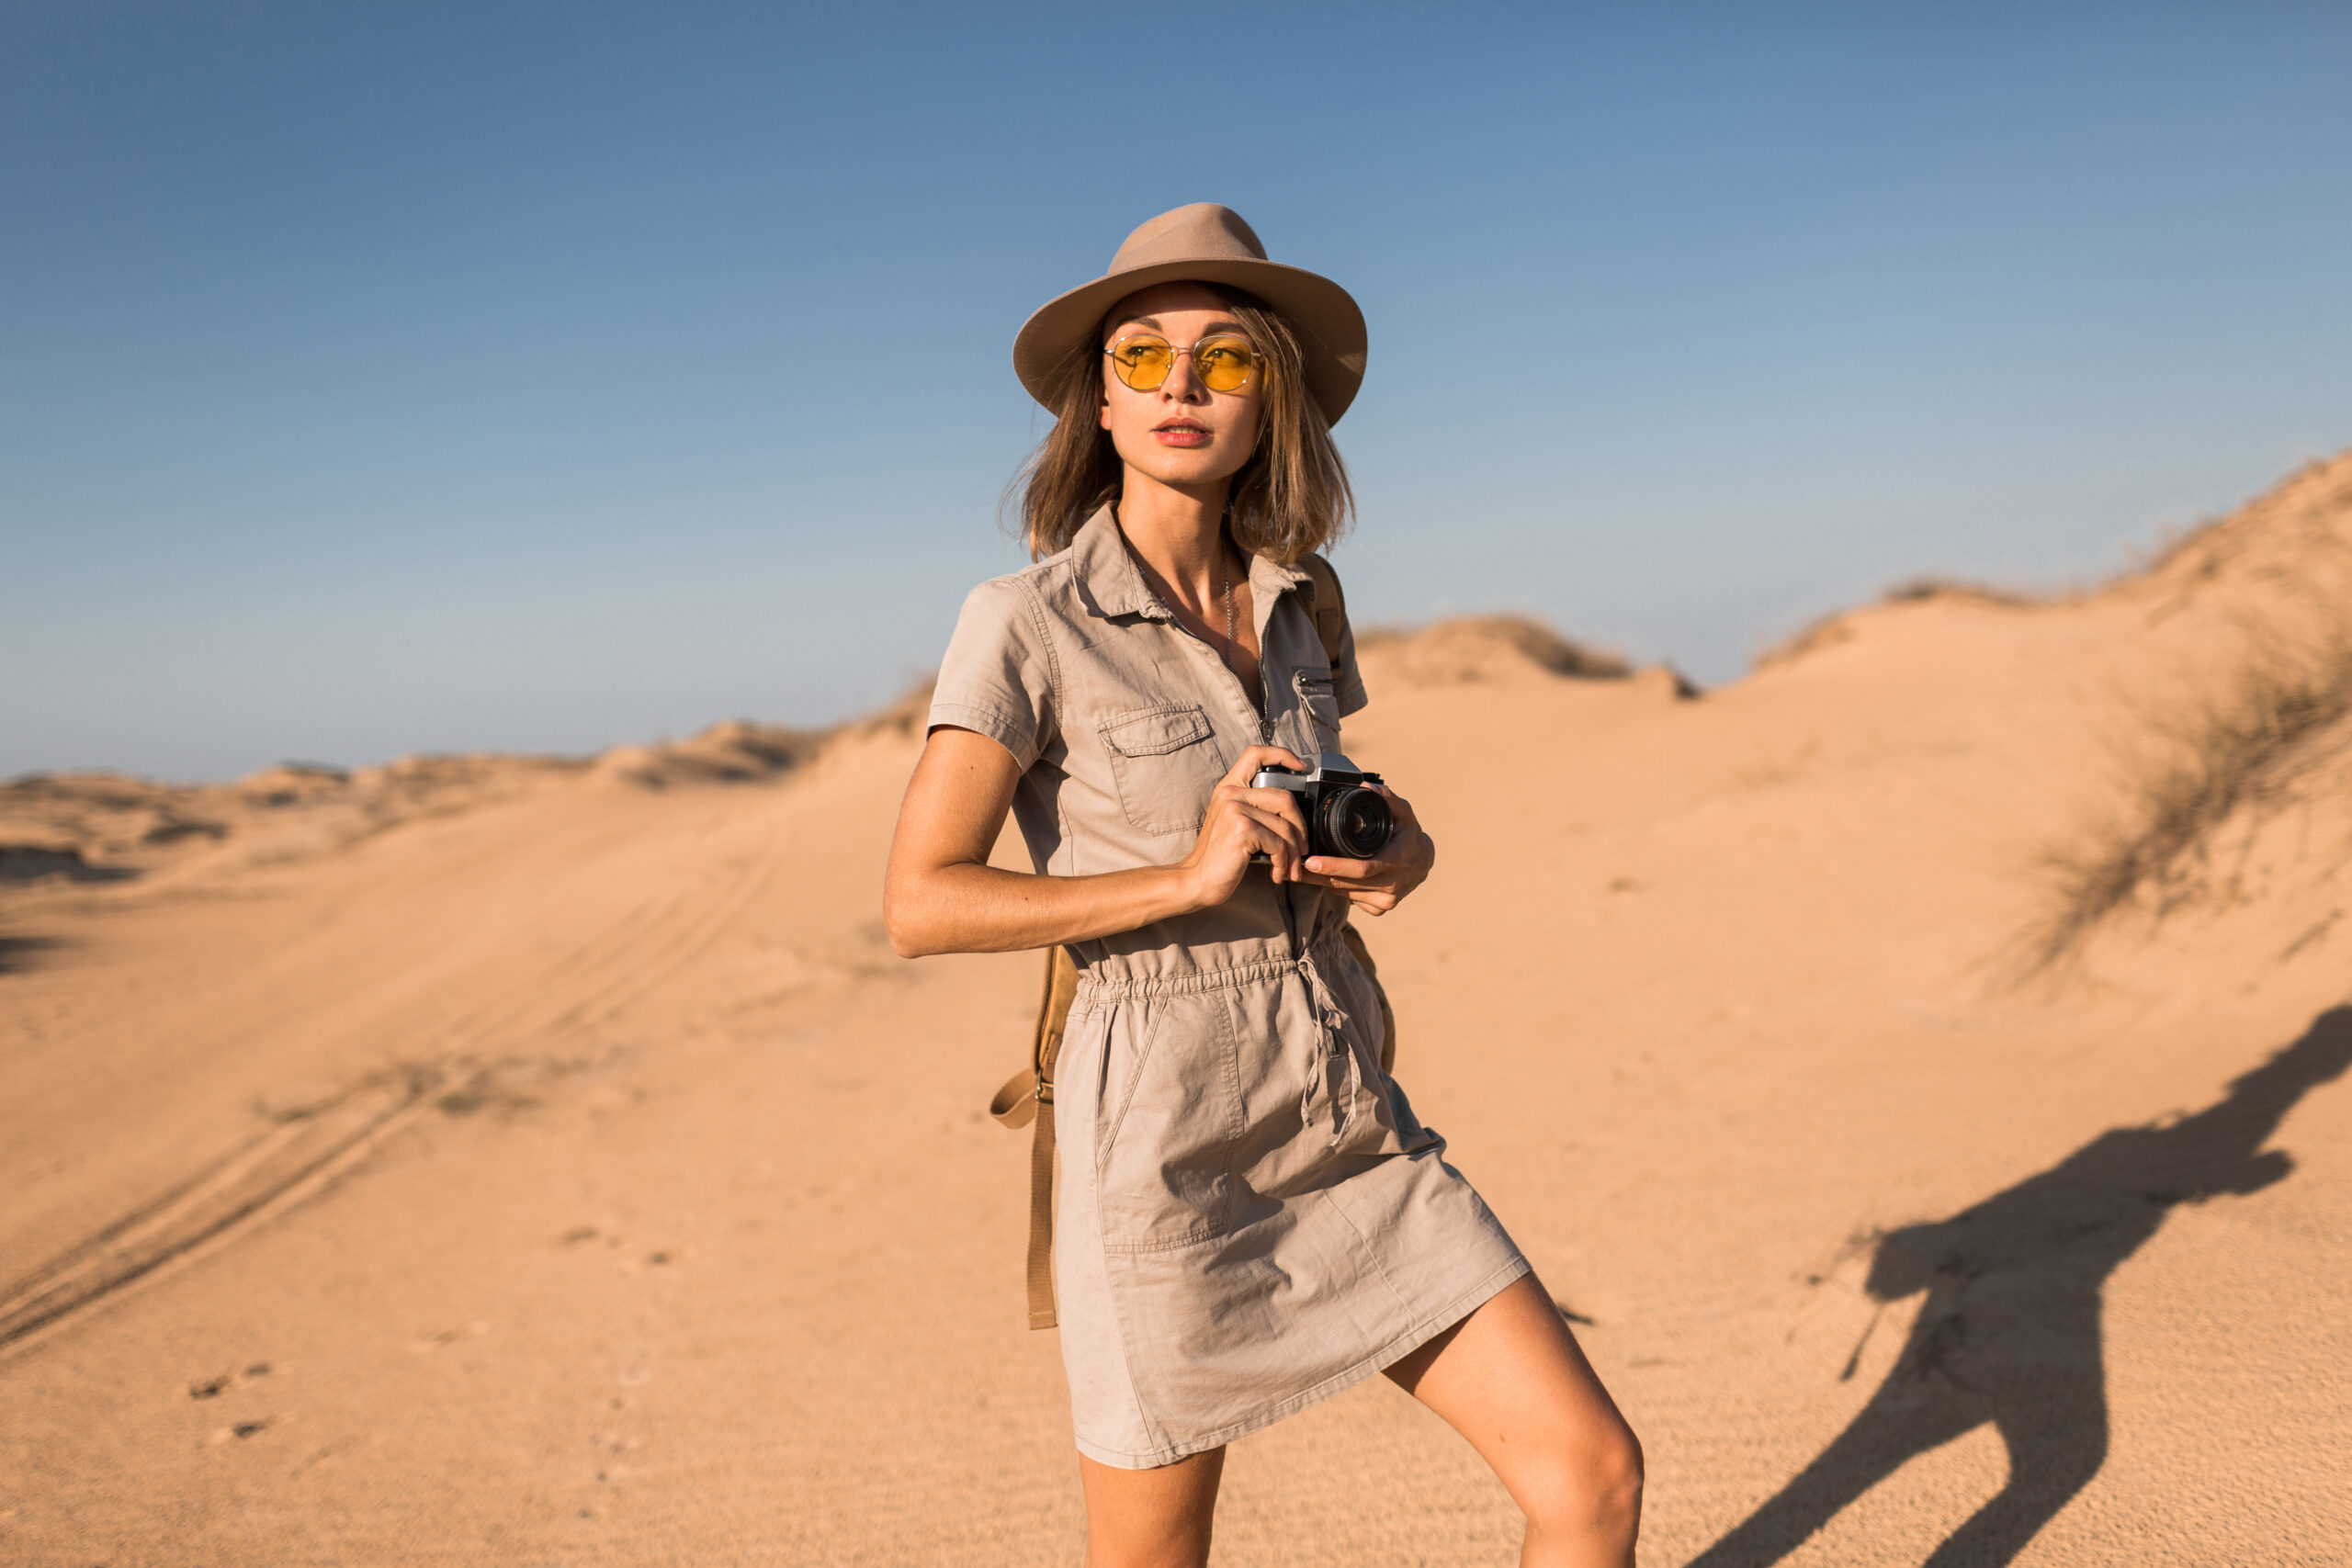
column 1225, row 362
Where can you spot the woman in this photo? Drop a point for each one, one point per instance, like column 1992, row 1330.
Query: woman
column 1249, row 1218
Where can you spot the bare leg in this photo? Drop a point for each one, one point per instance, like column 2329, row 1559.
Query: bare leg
column 1151, row 1518
column 1512, row 1379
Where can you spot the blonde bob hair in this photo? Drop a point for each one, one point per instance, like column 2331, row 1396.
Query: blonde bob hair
column 1290, row 500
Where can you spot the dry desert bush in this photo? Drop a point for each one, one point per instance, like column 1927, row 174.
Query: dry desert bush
column 2263, row 741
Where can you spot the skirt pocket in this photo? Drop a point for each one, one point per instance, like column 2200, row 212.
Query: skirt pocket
column 1165, row 1153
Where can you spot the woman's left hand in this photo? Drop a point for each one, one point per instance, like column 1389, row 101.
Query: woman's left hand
column 1374, row 885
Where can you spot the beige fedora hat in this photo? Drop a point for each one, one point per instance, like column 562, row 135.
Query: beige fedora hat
column 1205, row 243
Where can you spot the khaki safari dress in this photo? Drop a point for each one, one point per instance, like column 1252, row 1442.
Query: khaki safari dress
column 1249, row 1217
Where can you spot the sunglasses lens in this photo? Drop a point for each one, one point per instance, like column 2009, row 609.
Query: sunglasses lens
column 1224, row 363
column 1142, row 362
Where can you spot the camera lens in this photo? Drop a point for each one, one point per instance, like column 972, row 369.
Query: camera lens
column 1356, row 822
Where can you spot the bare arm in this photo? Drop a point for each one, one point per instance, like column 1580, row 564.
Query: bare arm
column 941, row 895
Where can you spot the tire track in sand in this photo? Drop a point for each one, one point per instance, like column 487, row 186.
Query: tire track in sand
column 305, row 1151
column 271, row 1172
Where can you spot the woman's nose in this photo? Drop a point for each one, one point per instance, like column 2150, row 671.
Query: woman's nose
column 1182, row 384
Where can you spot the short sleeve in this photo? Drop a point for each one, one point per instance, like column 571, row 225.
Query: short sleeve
column 1347, row 681
column 997, row 679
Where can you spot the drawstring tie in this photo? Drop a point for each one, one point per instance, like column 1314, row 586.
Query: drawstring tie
column 1331, row 1023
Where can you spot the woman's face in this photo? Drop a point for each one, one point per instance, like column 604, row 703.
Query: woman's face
column 1180, row 433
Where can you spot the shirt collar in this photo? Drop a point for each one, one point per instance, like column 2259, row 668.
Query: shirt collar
column 1107, row 573
column 1114, row 585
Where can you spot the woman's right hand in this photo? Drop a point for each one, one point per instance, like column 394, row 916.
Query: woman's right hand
column 1241, row 822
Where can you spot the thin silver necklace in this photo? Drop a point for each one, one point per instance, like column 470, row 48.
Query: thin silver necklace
column 1225, row 576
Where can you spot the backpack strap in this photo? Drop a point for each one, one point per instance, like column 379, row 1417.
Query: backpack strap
column 1331, row 610
column 1029, row 1094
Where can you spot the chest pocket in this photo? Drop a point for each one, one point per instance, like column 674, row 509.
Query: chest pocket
column 1167, row 764
column 1320, row 703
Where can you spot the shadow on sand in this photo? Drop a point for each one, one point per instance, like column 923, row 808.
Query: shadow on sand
column 2010, row 1331
column 21, row 952
column 33, row 862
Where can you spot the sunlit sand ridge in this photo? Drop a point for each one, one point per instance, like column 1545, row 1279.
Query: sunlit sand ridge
column 1932, row 1043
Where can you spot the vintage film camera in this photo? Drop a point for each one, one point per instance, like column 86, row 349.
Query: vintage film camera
column 1346, row 817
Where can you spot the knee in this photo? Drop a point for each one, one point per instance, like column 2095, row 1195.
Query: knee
column 1615, row 1482
column 1596, row 1491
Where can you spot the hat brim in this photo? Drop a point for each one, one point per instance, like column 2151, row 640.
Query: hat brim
column 1330, row 325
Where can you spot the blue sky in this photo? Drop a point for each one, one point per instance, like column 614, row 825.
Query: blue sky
column 381, row 379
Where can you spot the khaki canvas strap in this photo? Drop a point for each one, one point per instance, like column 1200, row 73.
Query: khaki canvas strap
column 1027, row 1096
column 1330, row 608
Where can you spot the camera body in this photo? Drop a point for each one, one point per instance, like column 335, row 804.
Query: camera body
column 1347, row 816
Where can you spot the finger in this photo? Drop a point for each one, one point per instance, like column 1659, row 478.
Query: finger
column 1281, row 755
column 1338, row 869
column 1253, row 758
column 1266, row 804
column 1267, row 838
column 1278, row 809
column 1284, row 844
column 1283, row 803
column 1380, row 881
column 1347, row 887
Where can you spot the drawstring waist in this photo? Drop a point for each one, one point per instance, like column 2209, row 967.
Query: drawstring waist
column 1096, row 989
column 1097, row 983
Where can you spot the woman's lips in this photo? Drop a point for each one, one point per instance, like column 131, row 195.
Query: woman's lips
column 1181, row 436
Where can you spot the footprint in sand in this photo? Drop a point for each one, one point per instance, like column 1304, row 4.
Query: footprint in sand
column 213, row 1387
column 242, row 1430
column 440, row 1337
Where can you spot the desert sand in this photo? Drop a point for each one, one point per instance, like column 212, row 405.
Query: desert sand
column 1929, row 1048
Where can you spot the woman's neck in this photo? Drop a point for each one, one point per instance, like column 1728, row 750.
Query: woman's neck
column 1180, row 535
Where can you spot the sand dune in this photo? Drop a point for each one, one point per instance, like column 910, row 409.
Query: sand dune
column 1935, row 1038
